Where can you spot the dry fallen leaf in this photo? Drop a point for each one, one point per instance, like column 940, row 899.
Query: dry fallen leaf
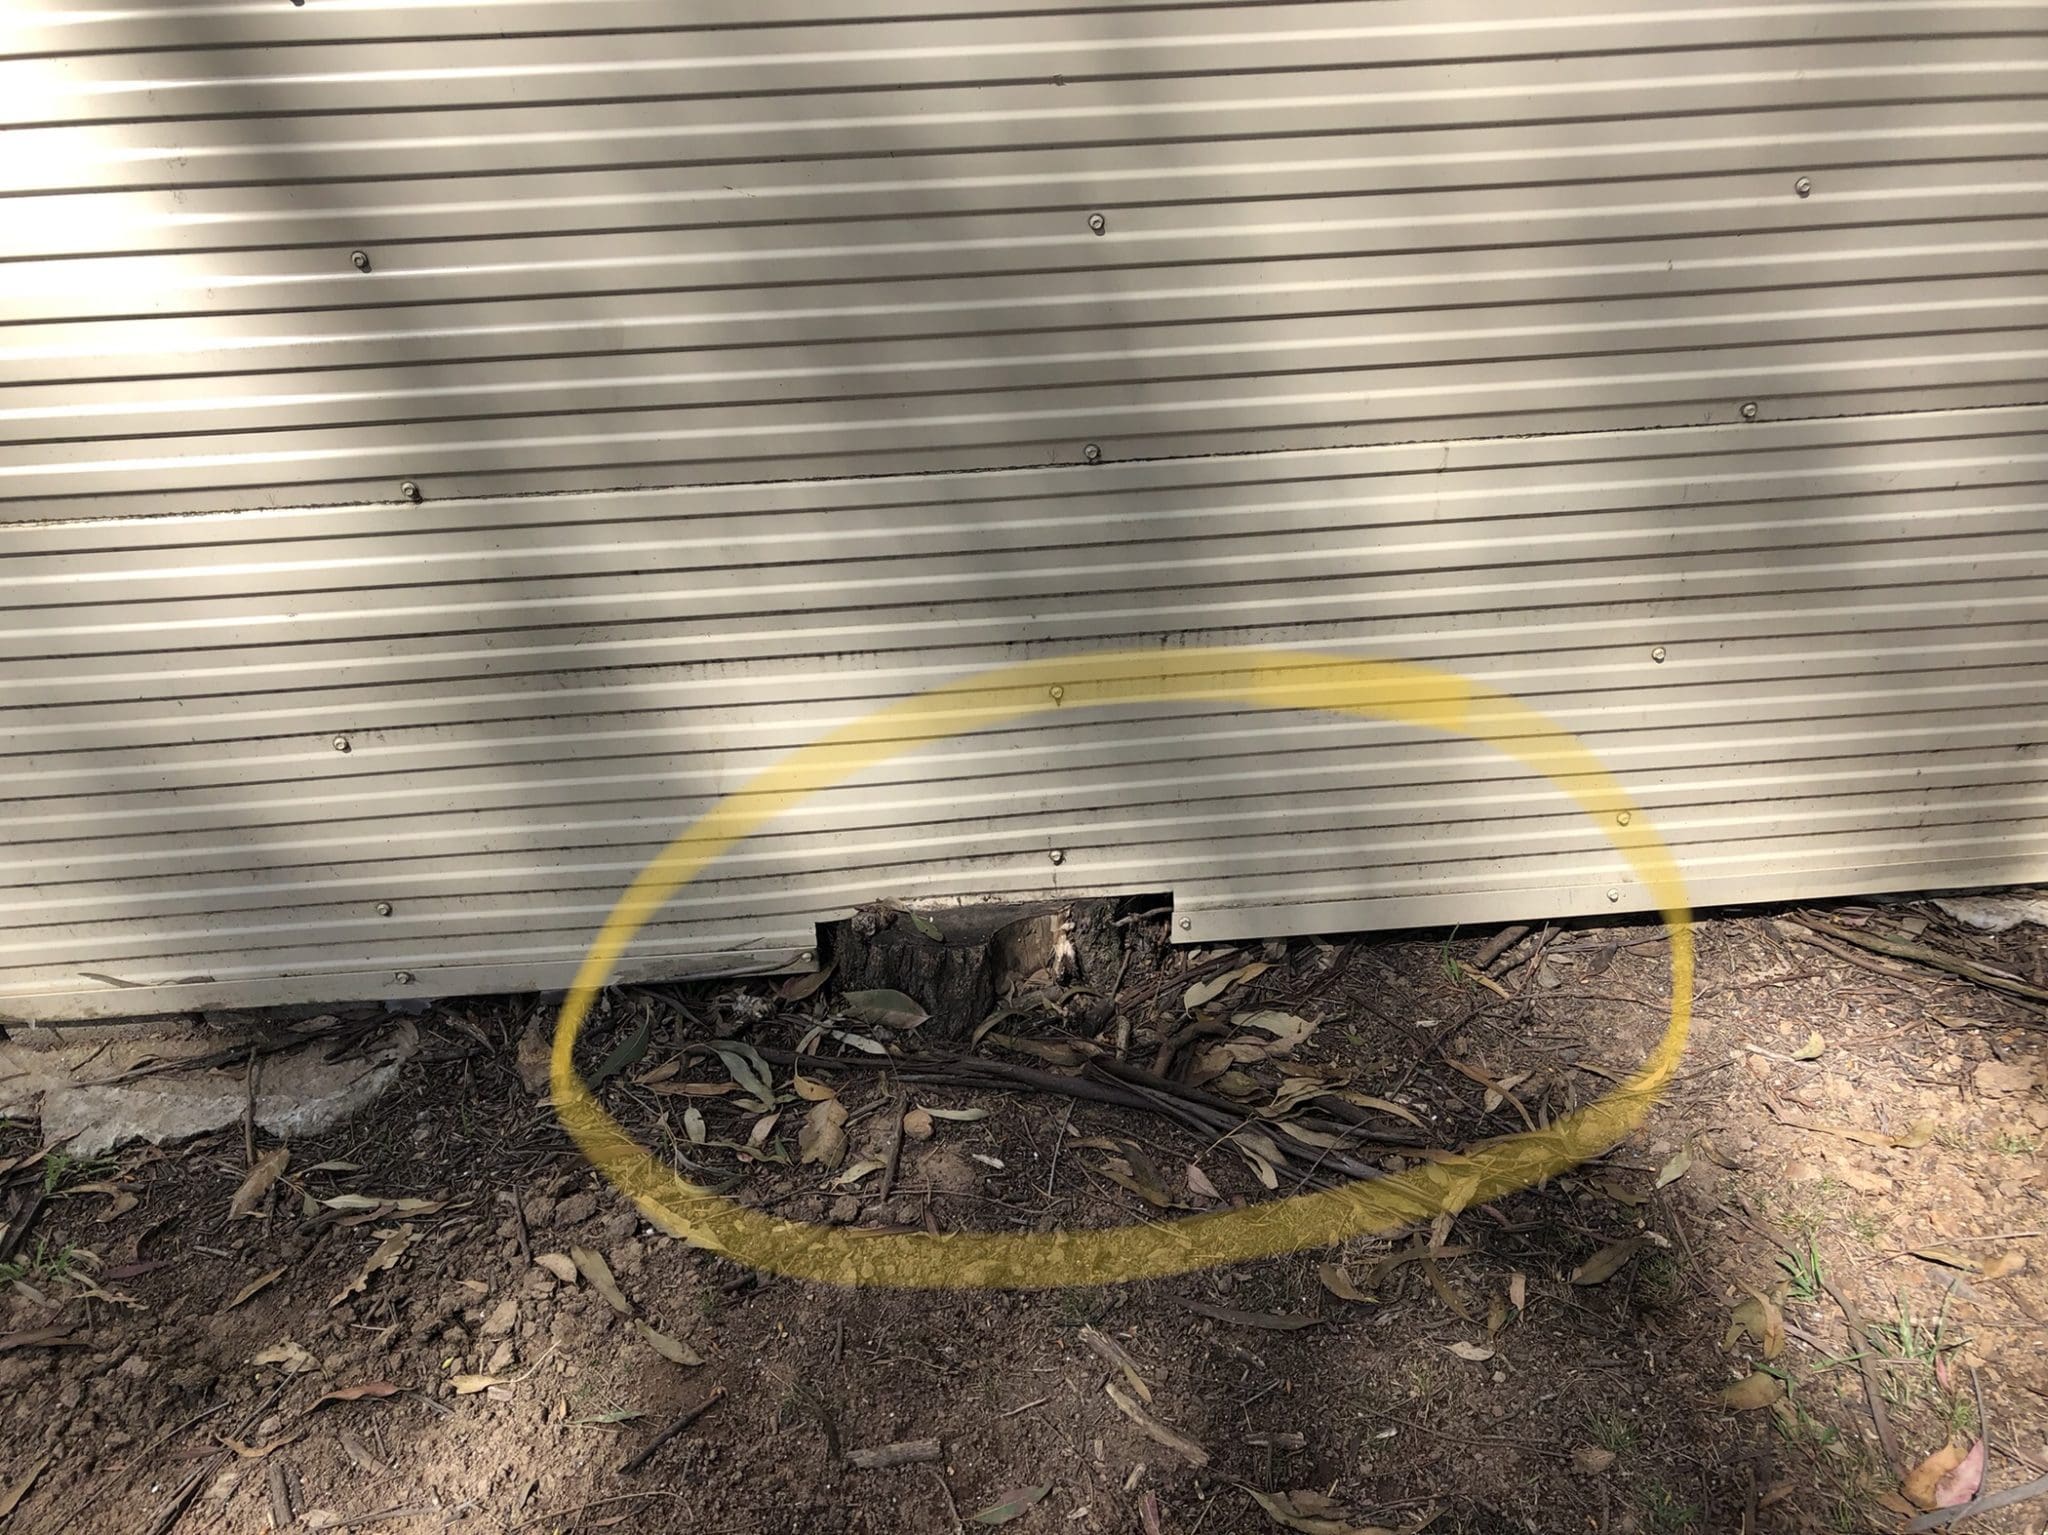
column 1607, row 1262
column 253, row 1287
column 1199, row 1184
column 469, row 1385
column 593, row 1268
column 1918, row 1134
column 1591, row 1460
column 369, row 1388
column 388, row 1253
column 797, row 987
column 1303, row 1511
column 1518, row 1290
column 1758, row 1389
column 884, row 1008
column 1472, row 1352
column 812, row 1091
column 256, row 1187
column 823, row 1137
column 561, row 1265
column 259, row 1452
column 1961, row 1484
column 19, row 1488
column 1812, row 1049
column 1011, row 1505
column 672, row 1349
column 1764, row 1322
column 1922, row 1480
column 287, row 1356
column 1337, row 1280
column 865, row 1167
column 1209, row 990
column 1674, row 1169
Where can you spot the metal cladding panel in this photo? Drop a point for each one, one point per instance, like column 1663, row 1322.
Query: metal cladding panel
column 1678, row 370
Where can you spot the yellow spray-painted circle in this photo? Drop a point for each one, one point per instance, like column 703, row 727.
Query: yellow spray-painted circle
column 1399, row 691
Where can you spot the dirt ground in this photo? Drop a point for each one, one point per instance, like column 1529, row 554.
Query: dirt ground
column 408, row 1330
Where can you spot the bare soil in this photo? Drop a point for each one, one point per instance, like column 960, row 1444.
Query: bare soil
column 1487, row 1381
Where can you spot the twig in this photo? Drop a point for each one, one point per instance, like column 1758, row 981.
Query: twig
column 1873, row 1389
column 584, row 1508
column 900, row 1102
column 1919, row 953
column 1498, row 945
column 952, row 1508
column 249, row 1107
column 1984, row 1505
column 519, row 1227
column 717, row 1395
column 908, row 1452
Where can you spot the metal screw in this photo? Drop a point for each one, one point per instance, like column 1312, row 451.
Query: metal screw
column 1092, row 453
column 409, row 490
column 383, row 908
column 1623, row 819
column 1749, row 410
column 403, row 977
column 1098, row 223
column 1185, row 924
column 1803, row 186
column 1057, row 856
column 808, row 957
column 341, row 744
column 360, row 260
column 1613, row 895
column 1055, row 692
column 1657, row 655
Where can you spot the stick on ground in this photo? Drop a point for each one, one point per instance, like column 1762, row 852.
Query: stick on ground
column 717, row 1395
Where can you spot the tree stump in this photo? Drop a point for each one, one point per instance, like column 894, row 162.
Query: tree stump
column 961, row 963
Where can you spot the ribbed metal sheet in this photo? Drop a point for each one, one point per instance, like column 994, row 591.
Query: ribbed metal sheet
column 748, row 365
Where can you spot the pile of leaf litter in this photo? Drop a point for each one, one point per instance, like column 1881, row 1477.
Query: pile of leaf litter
column 1211, row 1089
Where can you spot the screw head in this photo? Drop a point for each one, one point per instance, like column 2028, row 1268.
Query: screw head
column 403, row 977
column 1185, row 924
column 1623, row 819
column 1055, row 692
column 341, row 744
column 360, row 260
column 1613, row 894
column 1098, row 223
column 383, row 908
column 1092, row 453
column 1803, row 186
column 1657, row 655
column 1057, row 856
column 409, row 490
column 1749, row 410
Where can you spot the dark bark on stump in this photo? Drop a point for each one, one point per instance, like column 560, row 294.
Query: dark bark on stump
column 983, row 956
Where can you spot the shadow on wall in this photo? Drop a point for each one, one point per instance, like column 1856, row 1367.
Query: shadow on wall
column 538, row 690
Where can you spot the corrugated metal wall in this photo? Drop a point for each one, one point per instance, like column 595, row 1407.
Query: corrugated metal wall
column 757, row 368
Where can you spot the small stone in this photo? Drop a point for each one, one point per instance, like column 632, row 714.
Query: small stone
column 135, row 1367
column 503, row 1318
column 576, row 1209
column 540, row 1210
column 501, row 1357
column 617, row 1228
column 845, row 1210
